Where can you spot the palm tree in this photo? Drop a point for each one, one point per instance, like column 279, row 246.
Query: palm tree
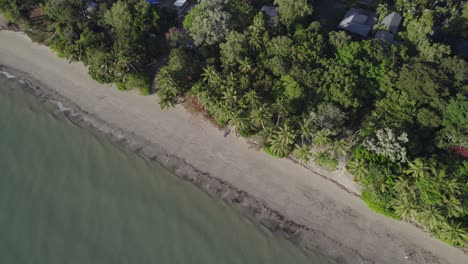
column 245, row 66
column 321, row 139
column 280, row 109
column 277, row 148
column 404, row 207
column 305, row 130
column 453, row 206
column 257, row 32
column 211, row 76
column 165, row 102
column 205, row 100
column 280, row 142
column 261, row 117
column 251, row 99
column 454, row 233
column 430, row 218
column 221, row 111
column 302, row 153
column 239, row 122
column 402, row 186
column 229, row 97
column 340, row 147
column 321, row 158
column 285, row 135
column 358, row 168
column 417, row 168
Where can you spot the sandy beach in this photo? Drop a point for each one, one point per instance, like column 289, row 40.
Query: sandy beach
column 321, row 214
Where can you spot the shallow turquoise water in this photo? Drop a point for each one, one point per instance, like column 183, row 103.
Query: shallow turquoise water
column 68, row 196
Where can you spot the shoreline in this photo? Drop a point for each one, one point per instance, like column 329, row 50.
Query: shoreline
column 304, row 208
column 268, row 217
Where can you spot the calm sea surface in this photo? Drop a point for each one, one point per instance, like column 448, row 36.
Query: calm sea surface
column 68, row 196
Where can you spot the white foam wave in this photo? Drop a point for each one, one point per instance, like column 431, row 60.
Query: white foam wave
column 8, row 75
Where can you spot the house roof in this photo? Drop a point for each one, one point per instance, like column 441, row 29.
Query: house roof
column 180, row 3
column 358, row 21
column 366, row 2
column 271, row 12
column 90, row 6
column 385, row 36
column 392, row 22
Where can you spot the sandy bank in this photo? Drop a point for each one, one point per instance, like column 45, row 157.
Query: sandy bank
column 307, row 208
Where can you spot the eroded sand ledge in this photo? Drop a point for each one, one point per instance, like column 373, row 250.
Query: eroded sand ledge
column 282, row 196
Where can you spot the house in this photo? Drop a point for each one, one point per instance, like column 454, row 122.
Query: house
column 385, row 36
column 180, row 3
column 392, row 22
column 365, row 2
column 154, row 2
column 358, row 21
column 271, row 12
column 183, row 6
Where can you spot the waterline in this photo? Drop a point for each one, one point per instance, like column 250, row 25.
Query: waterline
column 70, row 196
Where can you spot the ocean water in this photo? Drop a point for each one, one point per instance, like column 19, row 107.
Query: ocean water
column 68, row 195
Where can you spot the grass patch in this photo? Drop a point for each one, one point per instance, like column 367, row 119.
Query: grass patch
column 377, row 204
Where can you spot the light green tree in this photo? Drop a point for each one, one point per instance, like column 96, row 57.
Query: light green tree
column 292, row 10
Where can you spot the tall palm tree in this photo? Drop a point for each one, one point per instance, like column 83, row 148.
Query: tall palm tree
column 402, row 186
column 417, row 168
column 239, row 122
column 453, row 207
column 280, row 109
column 205, row 100
column 277, row 148
column 321, row 158
column 340, row 147
column 251, row 99
column 321, row 139
column 211, row 76
column 302, row 153
column 404, row 207
column 229, row 97
column 286, row 135
column 430, row 218
column 261, row 117
column 454, row 233
column 245, row 65
column 221, row 111
column 257, row 32
column 281, row 141
column 305, row 130
column 358, row 168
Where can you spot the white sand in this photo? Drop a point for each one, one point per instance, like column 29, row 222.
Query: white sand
column 344, row 226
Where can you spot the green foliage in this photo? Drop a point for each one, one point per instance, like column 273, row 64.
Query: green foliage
column 268, row 151
column 302, row 153
column 326, row 160
column 455, row 123
column 208, row 23
column 292, row 10
column 378, row 203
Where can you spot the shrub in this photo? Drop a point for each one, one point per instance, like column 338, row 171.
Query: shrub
column 378, row 203
column 268, row 151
